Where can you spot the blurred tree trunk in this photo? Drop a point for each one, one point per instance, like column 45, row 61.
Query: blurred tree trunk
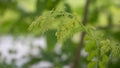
column 81, row 44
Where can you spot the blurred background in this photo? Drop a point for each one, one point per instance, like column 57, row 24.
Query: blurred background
column 20, row 48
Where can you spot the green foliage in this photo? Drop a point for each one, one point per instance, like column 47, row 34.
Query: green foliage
column 92, row 64
column 50, row 35
column 43, row 23
column 4, row 65
column 68, row 25
column 100, row 50
column 61, row 26
column 105, row 47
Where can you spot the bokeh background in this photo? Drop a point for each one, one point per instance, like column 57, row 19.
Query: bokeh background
column 20, row 48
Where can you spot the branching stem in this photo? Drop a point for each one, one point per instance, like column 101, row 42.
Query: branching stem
column 81, row 44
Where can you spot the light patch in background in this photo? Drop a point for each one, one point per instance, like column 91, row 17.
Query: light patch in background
column 20, row 48
column 43, row 64
column 27, row 5
column 75, row 3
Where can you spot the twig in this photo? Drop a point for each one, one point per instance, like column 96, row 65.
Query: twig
column 81, row 44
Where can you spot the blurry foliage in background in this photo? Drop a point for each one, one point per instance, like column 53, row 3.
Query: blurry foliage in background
column 17, row 15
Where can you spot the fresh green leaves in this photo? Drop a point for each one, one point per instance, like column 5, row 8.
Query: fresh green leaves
column 105, row 46
column 99, row 50
column 65, row 23
column 92, row 64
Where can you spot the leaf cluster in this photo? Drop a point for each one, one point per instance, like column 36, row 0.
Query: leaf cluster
column 65, row 24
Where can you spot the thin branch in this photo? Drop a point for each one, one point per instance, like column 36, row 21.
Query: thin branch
column 84, row 21
column 81, row 44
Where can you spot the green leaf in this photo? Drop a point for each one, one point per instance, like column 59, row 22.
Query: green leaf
column 92, row 64
column 105, row 46
column 105, row 58
column 51, row 40
column 90, row 45
column 92, row 55
column 102, row 65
